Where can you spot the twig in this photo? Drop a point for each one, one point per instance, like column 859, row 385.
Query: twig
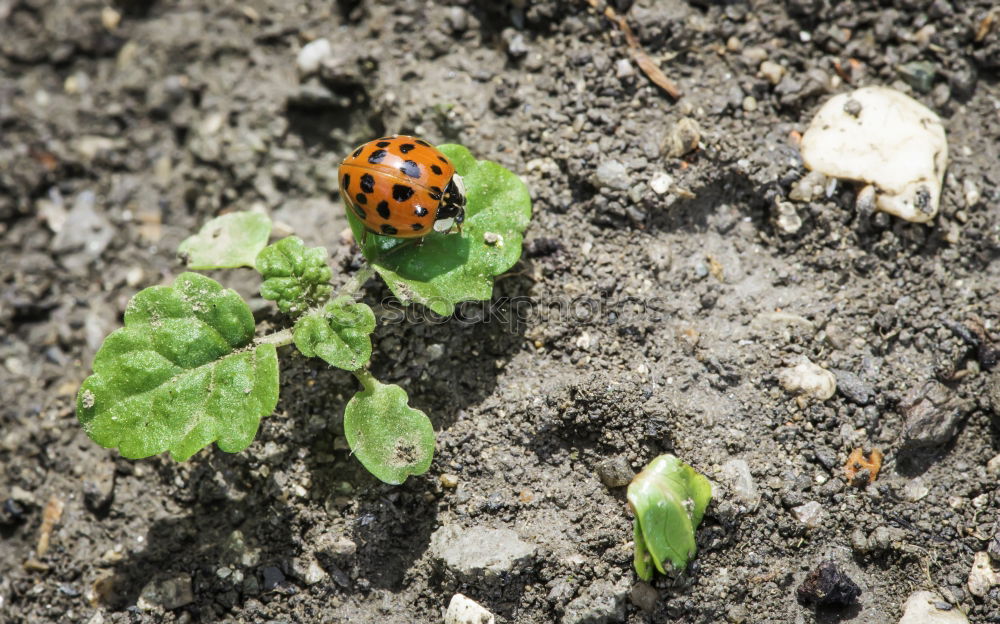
column 646, row 64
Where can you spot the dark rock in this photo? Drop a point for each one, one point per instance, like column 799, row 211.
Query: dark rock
column 826, row 585
column 853, row 387
column 933, row 414
column 615, row 472
column 99, row 487
column 993, row 393
column 273, row 577
column 11, row 513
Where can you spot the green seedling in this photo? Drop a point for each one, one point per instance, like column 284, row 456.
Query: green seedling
column 669, row 499
column 188, row 369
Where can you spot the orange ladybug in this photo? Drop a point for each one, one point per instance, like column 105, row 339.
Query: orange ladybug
column 402, row 186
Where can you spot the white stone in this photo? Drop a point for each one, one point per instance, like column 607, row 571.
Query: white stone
column 312, row 55
column 808, row 378
column 915, row 489
column 882, row 137
column 922, row 607
column 737, row 474
column 811, row 514
column 623, row 68
column 982, row 576
column 993, row 467
column 661, row 183
column 462, row 610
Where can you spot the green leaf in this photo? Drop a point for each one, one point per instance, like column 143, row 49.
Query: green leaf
column 182, row 373
column 669, row 499
column 643, row 561
column 340, row 333
column 391, row 439
column 449, row 268
column 226, row 242
column 296, row 277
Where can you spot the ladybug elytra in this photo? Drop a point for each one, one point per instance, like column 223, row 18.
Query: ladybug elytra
column 402, row 186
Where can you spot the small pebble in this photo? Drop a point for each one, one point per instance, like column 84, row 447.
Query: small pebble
column 448, row 480
column 810, row 514
column 462, row 610
column 661, row 183
column 982, row 576
column 749, row 104
column 312, row 56
column 808, row 378
column 771, row 72
column 915, row 489
column 924, row 607
column 826, row 586
column 612, row 174
column 615, row 472
column 623, row 69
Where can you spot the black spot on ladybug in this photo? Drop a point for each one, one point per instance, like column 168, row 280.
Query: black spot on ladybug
column 401, row 192
column 357, row 152
column 360, row 212
column 406, row 147
column 388, row 229
column 416, row 227
column 377, row 156
column 361, row 198
column 435, row 193
column 420, row 211
column 411, row 169
column 383, row 209
column 383, row 144
column 424, row 143
column 443, row 159
column 347, row 180
column 436, row 169
column 367, row 183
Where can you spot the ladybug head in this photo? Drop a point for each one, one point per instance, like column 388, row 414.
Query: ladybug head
column 452, row 209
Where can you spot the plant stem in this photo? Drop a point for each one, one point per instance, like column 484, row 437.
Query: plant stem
column 358, row 280
column 278, row 339
column 366, row 379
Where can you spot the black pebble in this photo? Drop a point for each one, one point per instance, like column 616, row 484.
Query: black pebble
column 826, row 585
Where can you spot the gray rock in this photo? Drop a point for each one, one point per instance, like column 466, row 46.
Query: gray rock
column 99, row 486
column 853, row 387
column 612, row 174
column 166, row 593
column 85, row 229
column 993, row 392
column 272, row 577
column 644, row 596
column 479, row 552
column 932, row 414
column 601, row 603
column 615, row 472
column 736, row 473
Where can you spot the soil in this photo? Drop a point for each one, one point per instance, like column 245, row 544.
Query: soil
column 649, row 322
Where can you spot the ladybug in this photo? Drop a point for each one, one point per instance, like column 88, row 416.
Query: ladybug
column 402, row 186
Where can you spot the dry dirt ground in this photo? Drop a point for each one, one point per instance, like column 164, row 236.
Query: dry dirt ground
column 648, row 321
